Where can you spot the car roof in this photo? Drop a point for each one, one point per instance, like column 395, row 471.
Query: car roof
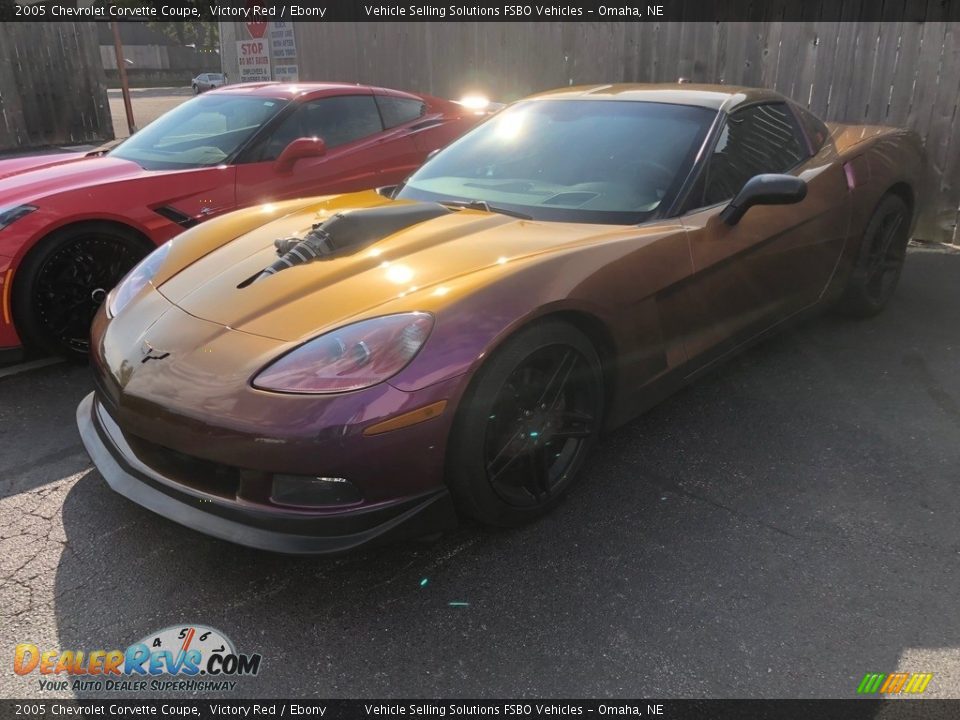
column 715, row 97
column 289, row 91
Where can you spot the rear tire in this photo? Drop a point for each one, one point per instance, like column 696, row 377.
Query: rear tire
column 63, row 281
column 526, row 424
column 882, row 253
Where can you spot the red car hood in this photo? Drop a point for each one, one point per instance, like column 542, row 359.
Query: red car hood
column 30, row 178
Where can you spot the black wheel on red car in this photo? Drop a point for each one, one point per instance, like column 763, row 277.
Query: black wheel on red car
column 878, row 267
column 526, row 425
column 64, row 280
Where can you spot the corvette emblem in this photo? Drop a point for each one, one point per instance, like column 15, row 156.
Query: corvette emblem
column 151, row 353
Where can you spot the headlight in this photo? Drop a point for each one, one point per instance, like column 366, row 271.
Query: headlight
column 353, row 357
column 12, row 213
column 137, row 279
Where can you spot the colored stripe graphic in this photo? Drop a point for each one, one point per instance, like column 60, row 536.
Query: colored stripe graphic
column 871, row 682
column 918, row 683
column 893, row 683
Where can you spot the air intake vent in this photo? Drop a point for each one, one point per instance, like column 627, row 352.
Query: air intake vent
column 174, row 215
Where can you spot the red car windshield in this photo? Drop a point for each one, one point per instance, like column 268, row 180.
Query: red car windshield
column 202, row 132
column 590, row 161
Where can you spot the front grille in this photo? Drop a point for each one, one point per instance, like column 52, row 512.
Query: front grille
column 202, row 475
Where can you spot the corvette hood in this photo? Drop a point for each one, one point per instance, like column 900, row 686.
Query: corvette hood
column 12, row 166
column 298, row 302
column 26, row 179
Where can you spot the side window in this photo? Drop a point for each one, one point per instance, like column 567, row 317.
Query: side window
column 337, row 120
column 399, row 110
column 755, row 140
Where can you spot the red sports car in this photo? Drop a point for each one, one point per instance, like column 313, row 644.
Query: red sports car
column 71, row 225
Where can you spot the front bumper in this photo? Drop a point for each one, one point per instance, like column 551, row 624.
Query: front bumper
column 276, row 530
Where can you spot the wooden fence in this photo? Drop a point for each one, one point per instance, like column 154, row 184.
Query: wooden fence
column 52, row 87
column 895, row 73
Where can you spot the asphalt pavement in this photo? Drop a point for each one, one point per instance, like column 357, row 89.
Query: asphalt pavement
column 777, row 529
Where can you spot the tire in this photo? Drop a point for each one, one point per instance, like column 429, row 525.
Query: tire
column 880, row 261
column 526, row 424
column 63, row 281
column 196, row 89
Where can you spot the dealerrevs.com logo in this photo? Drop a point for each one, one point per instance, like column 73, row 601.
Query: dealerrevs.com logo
column 178, row 658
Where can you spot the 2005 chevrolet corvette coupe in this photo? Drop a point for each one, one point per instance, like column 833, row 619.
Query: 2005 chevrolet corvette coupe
column 312, row 375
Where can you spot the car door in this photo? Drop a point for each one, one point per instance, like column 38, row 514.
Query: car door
column 351, row 127
column 777, row 259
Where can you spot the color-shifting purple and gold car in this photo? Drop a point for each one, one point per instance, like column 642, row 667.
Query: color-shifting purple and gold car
column 312, row 375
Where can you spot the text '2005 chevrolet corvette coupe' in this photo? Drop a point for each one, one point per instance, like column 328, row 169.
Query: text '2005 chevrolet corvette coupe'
column 312, row 375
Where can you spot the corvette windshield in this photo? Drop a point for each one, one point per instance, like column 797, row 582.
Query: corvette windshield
column 201, row 132
column 595, row 161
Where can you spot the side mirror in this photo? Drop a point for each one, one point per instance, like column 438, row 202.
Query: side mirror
column 768, row 189
column 298, row 150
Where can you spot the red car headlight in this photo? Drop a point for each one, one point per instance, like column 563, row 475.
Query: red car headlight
column 351, row 358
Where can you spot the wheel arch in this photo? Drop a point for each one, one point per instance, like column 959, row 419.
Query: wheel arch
column 32, row 248
column 16, row 278
column 904, row 191
column 601, row 337
column 590, row 324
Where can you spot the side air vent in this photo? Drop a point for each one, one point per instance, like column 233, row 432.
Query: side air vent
column 174, row 215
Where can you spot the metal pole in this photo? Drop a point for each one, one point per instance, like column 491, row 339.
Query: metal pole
column 124, row 86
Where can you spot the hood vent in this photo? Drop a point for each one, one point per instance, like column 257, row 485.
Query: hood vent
column 347, row 232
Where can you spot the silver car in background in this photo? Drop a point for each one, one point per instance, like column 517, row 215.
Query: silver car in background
column 207, row 81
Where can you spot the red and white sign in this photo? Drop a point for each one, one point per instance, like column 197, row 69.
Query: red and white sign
column 253, row 56
column 256, row 29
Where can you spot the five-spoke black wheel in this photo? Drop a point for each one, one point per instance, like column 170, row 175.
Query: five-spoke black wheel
column 64, row 281
column 881, row 258
column 526, row 424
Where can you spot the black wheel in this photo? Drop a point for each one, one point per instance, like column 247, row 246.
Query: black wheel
column 878, row 267
column 196, row 89
column 526, row 424
column 65, row 279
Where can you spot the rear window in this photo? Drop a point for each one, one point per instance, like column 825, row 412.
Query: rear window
column 399, row 110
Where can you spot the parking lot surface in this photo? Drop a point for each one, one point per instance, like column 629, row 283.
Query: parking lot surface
column 777, row 529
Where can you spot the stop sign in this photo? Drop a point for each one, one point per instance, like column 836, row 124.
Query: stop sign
column 256, row 29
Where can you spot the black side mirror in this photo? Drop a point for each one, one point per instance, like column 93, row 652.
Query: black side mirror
column 767, row 189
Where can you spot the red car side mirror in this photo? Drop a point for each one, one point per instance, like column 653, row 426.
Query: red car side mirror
column 299, row 149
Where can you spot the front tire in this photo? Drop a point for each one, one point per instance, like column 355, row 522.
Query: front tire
column 64, row 280
column 878, row 266
column 526, row 424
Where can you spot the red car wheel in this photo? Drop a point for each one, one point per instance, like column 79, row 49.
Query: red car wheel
column 64, row 280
